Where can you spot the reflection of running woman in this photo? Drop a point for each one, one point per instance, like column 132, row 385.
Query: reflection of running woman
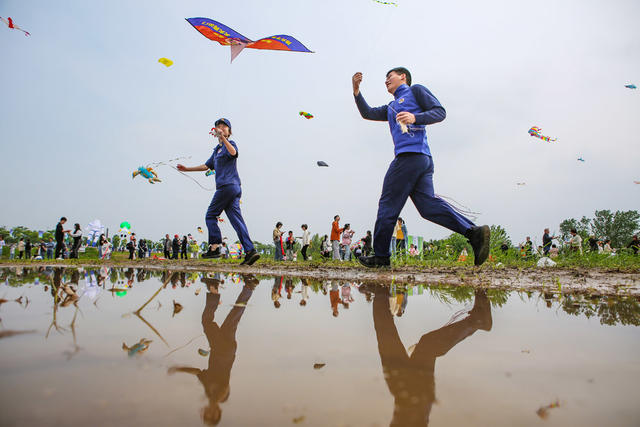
column 222, row 341
column 410, row 377
column 411, row 172
column 227, row 195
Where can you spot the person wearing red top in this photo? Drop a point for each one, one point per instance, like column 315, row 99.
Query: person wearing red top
column 335, row 236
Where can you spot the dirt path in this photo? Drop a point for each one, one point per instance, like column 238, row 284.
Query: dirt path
column 576, row 280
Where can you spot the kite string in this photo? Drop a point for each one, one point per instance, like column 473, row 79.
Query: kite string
column 192, row 179
column 459, row 207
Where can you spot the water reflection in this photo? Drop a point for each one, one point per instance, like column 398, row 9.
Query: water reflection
column 409, row 373
column 222, row 341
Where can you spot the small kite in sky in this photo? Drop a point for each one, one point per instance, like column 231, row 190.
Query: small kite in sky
column 630, row 86
column 537, row 132
column 321, row 163
column 386, row 2
column 13, row 26
column 306, row 115
column 148, row 173
column 519, row 184
column 165, row 61
column 636, row 182
column 224, row 35
column 580, row 159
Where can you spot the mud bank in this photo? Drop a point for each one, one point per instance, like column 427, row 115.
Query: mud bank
column 573, row 280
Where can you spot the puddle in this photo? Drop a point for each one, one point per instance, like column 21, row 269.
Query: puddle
column 146, row 347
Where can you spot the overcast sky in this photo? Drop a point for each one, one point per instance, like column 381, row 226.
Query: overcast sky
column 85, row 102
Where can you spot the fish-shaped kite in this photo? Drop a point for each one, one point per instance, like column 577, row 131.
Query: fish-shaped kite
column 13, row 26
column 214, row 30
column 321, row 163
column 630, row 86
column 306, row 115
column 165, row 61
column 537, row 132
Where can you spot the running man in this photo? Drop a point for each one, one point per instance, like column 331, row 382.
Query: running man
column 411, row 171
column 227, row 195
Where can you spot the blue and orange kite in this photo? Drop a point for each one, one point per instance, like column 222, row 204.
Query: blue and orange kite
column 224, row 35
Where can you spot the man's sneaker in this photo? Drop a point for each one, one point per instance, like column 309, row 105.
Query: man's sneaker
column 374, row 261
column 250, row 258
column 212, row 254
column 479, row 238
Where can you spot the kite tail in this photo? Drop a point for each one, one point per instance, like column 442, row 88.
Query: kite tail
column 460, row 208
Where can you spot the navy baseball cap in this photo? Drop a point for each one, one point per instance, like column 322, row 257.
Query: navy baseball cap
column 223, row 120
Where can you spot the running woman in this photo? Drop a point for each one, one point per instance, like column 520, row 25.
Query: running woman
column 228, row 192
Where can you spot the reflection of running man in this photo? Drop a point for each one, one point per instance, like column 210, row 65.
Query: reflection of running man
column 222, row 341
column 410, row 377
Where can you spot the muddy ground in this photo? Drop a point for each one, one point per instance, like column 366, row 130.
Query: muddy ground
column 574, row 280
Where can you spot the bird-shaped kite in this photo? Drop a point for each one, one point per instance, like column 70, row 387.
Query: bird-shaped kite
column 537, row 132
column 306, row 115
column 148, row 173
column 321, row 163
column 13, row 26
column 630, row 86
column 224, row 35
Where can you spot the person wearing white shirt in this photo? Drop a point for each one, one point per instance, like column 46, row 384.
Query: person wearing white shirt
column 306, row 241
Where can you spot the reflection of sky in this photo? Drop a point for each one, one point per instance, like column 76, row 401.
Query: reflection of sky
column 485, row 379
column 86, row 92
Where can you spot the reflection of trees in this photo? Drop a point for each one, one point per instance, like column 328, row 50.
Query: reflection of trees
column 611, row 310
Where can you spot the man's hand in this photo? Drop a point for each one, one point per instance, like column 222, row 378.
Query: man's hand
column 181, row 168
column 356, row 80
column 406, row 118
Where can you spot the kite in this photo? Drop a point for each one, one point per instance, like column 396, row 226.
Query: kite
column 580, row 159
column 306, row 115
column 125, row 227
column 630, row 86
column 521, row 183
column 13, row 26
column 386, row 2
column 536, row 131
column 165, row 61
column 148, row 173
column 636, row 182
column 321, row 163
column 224, row 35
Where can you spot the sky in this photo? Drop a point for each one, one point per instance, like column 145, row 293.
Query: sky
column 85, row 102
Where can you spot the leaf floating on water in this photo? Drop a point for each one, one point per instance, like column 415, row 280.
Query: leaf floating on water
column 298, row 420
column 177, row 308
column 318, row 365
column 543, row 411
column 10, row 333
column 239, row 304
column 202, row 352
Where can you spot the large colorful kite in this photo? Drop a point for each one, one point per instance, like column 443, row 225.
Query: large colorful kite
column 13, row 26
column 224, row 35
column 537, row 132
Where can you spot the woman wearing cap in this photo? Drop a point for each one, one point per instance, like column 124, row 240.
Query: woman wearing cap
column 227, row 195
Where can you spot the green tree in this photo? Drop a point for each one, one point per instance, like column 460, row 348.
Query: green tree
column 498, row 237
column 583, row 227
column 619, row 226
